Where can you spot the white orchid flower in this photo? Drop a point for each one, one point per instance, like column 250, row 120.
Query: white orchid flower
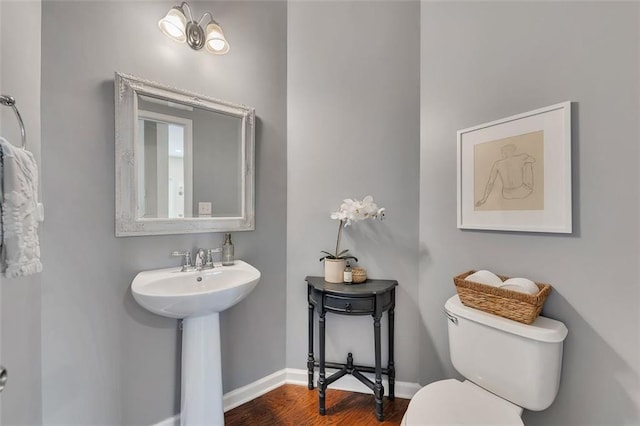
column 352, row 210
column 338, row 215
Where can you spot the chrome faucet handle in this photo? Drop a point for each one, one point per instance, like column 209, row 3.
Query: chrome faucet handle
column 186, row 266
column 210, row 253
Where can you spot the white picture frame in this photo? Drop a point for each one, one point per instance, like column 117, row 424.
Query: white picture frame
column 514, row 174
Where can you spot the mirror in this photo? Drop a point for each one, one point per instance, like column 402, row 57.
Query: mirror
column 184, row 161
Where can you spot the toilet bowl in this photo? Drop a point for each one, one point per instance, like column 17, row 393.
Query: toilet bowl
column 509, row 367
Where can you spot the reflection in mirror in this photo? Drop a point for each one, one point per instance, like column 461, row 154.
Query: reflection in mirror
column 214, row 145
column 191, row 167
column 165, row 164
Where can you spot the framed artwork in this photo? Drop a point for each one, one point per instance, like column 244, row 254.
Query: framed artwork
column 514, row 174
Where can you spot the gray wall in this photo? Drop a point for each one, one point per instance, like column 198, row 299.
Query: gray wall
column 353, row 130
column 20, row 310
column 105, row 359
column 485, row 60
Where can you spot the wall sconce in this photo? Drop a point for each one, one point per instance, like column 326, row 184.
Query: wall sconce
column 175, row 26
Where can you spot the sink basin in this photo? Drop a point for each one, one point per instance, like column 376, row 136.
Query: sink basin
column 175, row 294
column 197, row 297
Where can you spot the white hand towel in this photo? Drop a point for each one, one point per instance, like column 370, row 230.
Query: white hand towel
column 20, row 253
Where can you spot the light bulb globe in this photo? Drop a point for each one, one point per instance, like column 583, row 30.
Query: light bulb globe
column 173, row 25
column 216, row 42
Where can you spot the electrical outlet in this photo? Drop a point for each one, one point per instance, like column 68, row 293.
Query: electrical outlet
column 204, row 209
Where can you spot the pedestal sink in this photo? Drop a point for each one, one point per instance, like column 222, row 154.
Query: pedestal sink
column 197, row 297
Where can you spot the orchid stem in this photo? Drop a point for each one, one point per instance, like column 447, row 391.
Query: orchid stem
column 339, row 235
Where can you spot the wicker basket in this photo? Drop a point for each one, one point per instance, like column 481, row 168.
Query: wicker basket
column 510, row 304
column 359, row 275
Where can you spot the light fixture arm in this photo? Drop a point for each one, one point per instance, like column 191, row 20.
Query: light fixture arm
column 182, row 6
column 210, row 18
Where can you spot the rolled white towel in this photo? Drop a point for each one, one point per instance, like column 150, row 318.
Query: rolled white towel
column 485, row 277
column 522, row 285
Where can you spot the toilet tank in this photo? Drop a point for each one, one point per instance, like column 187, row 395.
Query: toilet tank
column 518, row 362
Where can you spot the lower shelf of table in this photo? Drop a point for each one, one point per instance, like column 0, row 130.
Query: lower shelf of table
column 356, row 371
column 363, row 368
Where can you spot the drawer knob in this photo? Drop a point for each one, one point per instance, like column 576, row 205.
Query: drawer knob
column 348, row 307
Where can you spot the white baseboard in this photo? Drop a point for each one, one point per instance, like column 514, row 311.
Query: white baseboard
column 296, row 376
column 253, row 390
column 171, row 421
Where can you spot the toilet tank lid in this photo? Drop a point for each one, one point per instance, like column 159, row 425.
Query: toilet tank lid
column 542, row 329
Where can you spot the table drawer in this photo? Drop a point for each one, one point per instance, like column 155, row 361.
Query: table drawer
column 349, row 305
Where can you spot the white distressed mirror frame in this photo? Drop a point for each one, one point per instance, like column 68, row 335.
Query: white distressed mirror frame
column 128, row 223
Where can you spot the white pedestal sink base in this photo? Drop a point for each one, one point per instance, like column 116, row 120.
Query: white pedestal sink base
column 201, row 395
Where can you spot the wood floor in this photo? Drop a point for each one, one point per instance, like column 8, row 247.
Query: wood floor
column 298, row 406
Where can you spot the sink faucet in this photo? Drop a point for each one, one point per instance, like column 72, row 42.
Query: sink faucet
column 204, row 258
column 201, row 259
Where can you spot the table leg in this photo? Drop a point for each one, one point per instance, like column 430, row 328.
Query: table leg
column 378, row 389
column 322, row 381
column 391, row 367
column 310, row 359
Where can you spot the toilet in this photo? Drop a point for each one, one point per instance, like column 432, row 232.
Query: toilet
column 509, row 366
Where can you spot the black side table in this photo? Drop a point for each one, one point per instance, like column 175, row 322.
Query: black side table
column 370, row 298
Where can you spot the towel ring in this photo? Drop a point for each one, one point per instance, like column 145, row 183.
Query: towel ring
column 7, row 100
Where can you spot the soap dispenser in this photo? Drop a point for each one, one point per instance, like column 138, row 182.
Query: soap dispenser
column 227, row 251
column 348, row 274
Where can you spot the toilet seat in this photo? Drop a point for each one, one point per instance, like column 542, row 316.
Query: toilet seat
column 451, row 402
